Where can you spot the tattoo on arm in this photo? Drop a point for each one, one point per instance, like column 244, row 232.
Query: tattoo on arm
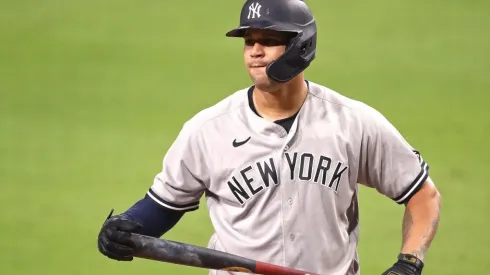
column 429, row 235
column 426, row 237
column 407, row 224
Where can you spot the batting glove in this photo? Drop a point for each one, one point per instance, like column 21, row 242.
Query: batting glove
column 114, row 237
column 406, row 265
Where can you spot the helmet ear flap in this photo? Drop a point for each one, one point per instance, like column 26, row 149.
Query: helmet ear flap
column 296, row 58
column 288, row 65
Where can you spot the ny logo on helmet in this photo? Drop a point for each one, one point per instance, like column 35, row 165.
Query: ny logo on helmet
column 254, row 10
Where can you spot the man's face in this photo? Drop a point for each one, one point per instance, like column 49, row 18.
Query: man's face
column 262, row 47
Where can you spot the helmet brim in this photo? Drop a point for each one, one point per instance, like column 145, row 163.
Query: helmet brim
column 262, row 25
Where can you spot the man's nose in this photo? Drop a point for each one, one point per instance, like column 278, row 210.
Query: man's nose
column 257, row 50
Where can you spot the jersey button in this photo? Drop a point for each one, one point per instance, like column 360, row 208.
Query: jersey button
column 286, row 148
column 290, row 201
column 291, row 237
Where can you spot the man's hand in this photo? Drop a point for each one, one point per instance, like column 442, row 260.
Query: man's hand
column 406, row 265
column 113, row 240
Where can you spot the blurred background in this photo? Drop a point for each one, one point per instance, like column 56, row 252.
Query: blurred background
column 92, row 93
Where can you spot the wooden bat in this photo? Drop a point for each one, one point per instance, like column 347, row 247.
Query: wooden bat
column 190, row 255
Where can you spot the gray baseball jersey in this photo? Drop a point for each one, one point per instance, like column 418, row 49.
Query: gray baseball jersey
column 289, row 199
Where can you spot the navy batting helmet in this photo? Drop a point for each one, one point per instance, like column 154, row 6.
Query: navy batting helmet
column 292, row 16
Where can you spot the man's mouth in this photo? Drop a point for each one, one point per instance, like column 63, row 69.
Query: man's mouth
column 258, row 65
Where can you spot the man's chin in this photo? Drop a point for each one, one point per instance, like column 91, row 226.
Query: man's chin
column 260, row 78
column 262, row 82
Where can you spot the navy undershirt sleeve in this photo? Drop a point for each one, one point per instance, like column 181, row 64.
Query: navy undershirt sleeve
column 155, row 219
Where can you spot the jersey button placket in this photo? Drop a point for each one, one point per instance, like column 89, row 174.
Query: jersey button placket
column 288, row 190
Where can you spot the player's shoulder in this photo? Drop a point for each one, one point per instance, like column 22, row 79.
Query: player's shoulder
column 335, row 101
column 220, row 110
column 333, row 98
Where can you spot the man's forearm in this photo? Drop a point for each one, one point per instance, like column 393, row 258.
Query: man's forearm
column 421, row 220
column 154, row 219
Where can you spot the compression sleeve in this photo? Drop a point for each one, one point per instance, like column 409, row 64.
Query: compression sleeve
column 155, row 219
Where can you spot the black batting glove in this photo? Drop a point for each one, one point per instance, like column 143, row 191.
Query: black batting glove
column 114, row 237
column 406, row 265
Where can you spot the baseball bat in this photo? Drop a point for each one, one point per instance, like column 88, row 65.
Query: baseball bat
column 190, row 255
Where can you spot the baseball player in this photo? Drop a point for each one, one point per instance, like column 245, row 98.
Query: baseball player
column 280, row 163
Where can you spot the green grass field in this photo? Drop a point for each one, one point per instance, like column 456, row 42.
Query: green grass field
column 92, row 93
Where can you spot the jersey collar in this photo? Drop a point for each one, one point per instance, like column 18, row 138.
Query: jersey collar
column 267, row 128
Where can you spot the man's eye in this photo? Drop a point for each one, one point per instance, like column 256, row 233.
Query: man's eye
column 264, row 42
column 249, row 42
column 270, row 42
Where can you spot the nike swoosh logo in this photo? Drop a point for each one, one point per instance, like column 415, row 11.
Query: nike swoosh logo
column 237, row 144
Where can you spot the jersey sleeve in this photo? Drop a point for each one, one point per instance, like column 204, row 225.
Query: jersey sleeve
column 182, row 180
column 387, row 161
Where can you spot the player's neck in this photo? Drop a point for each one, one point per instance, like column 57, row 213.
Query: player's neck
column 282, row 103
